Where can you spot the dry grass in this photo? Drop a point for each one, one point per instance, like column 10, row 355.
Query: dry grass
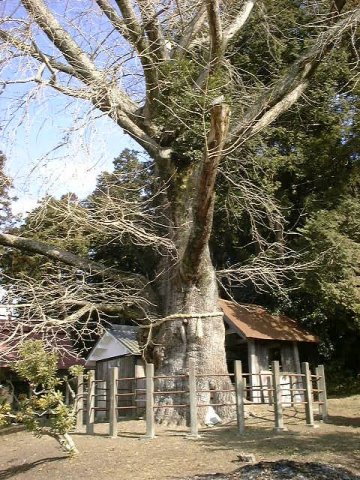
column 171, row 456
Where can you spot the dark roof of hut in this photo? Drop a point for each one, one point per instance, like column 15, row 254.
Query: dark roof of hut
column 127, row 335
column 255, row 322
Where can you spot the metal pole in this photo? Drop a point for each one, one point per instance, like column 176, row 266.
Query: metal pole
column 193, row 399
column 239, row 392
column 150, row 424
column 309, row 410
column 113, row 413
column 279, row 419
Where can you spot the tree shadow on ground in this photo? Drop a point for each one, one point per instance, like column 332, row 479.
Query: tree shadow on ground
column 341, row 447
column 345, row 421
column 84, row 434
column 16, row 469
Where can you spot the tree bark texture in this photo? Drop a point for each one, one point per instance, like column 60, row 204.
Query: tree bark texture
column 189, row 289
column 199, row 337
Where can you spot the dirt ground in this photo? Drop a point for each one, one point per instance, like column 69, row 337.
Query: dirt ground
column 173, row 456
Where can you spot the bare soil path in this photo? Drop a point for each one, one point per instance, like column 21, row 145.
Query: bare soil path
column 171, row 456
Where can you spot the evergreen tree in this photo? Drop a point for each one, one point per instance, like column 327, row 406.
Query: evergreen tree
column 306, row 165
column 6, row 216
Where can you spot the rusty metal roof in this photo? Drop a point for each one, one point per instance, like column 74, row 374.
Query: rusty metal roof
column 255, row 322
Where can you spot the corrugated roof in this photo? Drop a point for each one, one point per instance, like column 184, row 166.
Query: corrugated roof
column 127, row 335
column 255, row 322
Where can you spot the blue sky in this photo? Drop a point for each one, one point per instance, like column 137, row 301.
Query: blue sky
column 41, row 158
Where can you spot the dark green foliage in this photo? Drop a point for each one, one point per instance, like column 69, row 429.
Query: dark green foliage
column 50, row 222
column 340, row 380
column 6, row 217
column 130, row 181
column 307, row 162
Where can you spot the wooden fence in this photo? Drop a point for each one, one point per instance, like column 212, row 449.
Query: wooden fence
column 281, row 390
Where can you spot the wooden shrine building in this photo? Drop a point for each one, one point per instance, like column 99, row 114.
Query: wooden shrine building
column 257, row 338
column 117, row 347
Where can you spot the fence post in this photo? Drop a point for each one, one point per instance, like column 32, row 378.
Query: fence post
column 150, row 426
column 139, row 400
column 79, row 402
column 239, row 393
column 67, row 394
column 193, row 399
column 113, row 390
column 292, row 389
column 309, row 410
column 90, row 403
column 279, row 419
column 269, row 389
column 321, row 385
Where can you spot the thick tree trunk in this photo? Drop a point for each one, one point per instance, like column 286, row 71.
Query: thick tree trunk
column 198, row 333
column 200, row 337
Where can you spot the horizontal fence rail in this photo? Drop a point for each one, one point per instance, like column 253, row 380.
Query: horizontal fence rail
column 274, row 388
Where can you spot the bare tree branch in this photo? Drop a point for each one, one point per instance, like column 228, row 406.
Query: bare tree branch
column 240, row 20
column 190, row 33
column 131, row 30
column 215, row 28
column 153, row 30
column 267, row 272
column 204, row 204
column 109, row 98
column 35, row 246
column 81, row 63
column 33, row 50
column 289, row 89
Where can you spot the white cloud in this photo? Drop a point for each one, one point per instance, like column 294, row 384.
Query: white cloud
column 74, row 169
column 61, row 150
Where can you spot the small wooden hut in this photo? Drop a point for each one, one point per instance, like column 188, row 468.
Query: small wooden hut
column 257, row 338
column 117, row 347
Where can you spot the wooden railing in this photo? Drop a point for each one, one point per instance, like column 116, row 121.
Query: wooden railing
column 281, row 390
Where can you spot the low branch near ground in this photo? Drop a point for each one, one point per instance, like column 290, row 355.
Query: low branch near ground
column 64, row 303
